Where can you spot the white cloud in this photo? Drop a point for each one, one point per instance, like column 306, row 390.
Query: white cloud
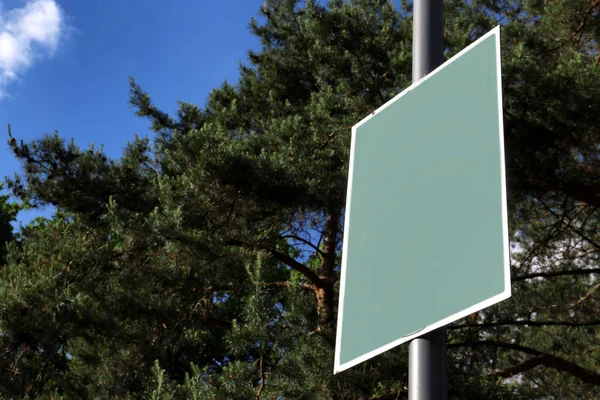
column 26, row 34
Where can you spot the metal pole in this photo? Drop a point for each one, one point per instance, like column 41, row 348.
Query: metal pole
column 427, row 354
column 427, row 367
column 428, row 37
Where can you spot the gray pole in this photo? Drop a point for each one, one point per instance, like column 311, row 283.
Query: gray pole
column 427, row 354
column 427, row 367
column 428, row 37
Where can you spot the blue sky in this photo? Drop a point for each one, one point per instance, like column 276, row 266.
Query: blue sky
column 64, row 65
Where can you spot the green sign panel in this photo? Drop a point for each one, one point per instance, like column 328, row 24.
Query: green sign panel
column 426, row 230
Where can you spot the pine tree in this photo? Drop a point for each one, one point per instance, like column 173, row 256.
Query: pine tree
column 8, row 214
column 205, row 263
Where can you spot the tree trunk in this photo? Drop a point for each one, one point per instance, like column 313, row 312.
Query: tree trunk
column 325, row 295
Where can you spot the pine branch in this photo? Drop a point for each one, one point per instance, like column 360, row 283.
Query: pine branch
column 548, row 360
column 290, row 262
column 493, row 343
column 568, row 225
column 587, row 295
column 527, row 323
column 306, row 242
column 284, row 284
column 559, row 364
column 303, row 269
column 240, row 288
column 586, row 271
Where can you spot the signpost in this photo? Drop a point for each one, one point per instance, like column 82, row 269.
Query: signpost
column 427, row 354
column 426, row 229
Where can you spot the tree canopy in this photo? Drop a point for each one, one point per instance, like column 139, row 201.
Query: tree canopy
column 8, row 213
column 204, row 263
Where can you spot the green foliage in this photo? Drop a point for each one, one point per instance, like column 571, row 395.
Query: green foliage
column 8, row 214
column 204, row 263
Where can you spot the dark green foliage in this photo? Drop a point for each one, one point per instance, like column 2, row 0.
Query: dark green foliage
column 8, row 213
column 205, row 263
